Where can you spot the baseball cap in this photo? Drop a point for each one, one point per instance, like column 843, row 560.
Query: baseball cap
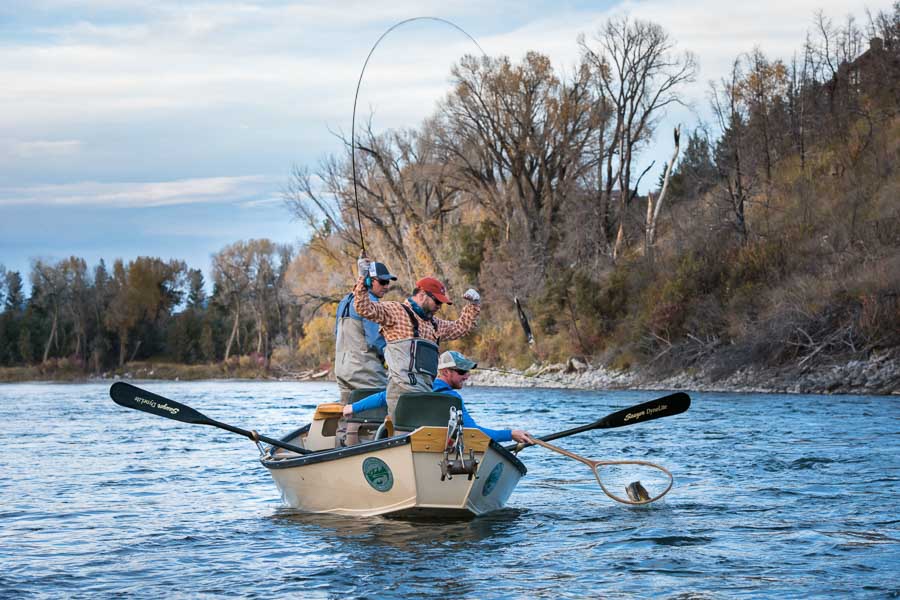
column 378, row 270
column 434, row 287
column 451, row 359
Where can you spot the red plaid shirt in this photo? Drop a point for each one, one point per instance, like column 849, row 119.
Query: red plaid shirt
column 395, row 323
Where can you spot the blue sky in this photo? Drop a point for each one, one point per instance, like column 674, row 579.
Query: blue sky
column 169, row 128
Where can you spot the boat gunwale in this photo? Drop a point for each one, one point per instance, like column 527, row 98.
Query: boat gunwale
column 363, row 448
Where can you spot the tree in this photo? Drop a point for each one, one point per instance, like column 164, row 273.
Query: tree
column 515, row 139
column 695, row 173
column 100, row 343
column 196, row 291
column 77, row 306
column 50, row 292
column 143, row 293
column 736, row 180
column 654, row 210
column 637, row 72
column 15, row 297
column 231, row 272
column 762, row 90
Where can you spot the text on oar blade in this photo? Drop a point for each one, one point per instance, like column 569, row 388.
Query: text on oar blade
column 152, row 404
column 645, row 412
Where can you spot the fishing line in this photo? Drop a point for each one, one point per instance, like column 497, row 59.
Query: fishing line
column 356, row 97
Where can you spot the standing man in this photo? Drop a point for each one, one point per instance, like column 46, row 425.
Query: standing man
column 412, row 332
column 359, row 346
column 453, row 372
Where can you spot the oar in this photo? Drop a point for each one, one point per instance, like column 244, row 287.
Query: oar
column 130, row 396
column 673, row 404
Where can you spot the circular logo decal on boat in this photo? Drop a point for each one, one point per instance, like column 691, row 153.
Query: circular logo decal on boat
column 378, row 474
column 492, row 479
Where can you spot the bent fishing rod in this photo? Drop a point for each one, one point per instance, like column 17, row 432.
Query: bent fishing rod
column 353, row 145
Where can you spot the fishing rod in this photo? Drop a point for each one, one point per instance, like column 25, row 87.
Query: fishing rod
column 353, row 146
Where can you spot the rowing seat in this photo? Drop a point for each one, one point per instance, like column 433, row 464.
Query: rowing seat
column 424, row 409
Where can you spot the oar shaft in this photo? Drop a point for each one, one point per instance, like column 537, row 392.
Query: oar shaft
column 561, row 434
column 254, row 436
column 666, row 406
column 133, row 397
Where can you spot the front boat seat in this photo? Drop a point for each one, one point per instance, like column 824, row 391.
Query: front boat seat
column 424, row 409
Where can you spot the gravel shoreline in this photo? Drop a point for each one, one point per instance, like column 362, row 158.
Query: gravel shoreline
column 879, row 375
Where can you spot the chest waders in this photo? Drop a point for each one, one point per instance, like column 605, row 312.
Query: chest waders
column 356, row 365
column 412, row 363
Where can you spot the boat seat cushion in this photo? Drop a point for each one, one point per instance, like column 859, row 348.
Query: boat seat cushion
column 375, row 415
column 424, row 409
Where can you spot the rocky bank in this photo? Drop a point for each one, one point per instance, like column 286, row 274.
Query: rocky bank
column 879, row 375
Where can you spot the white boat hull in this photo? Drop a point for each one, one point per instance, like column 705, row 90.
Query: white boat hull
column 398, row 475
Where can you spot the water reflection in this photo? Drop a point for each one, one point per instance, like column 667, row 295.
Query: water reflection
column 493, row 529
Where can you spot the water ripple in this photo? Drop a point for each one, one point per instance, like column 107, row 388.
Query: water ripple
column 775, row 496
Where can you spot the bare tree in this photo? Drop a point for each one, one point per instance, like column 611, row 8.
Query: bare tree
column 231, row 268
column 654, row 210
column 49, row 292
column 515, row 138
column 736, row 180
column 638, row 72
column 403, row 200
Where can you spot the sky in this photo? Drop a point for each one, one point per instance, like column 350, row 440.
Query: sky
column 169, row 128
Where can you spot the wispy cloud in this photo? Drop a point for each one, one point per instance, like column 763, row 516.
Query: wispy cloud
column 141, row 195
column 37, row 149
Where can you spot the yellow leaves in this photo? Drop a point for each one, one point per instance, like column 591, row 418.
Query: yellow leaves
column 318, row 343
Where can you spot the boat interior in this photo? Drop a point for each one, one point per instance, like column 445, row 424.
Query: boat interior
column 327, row 432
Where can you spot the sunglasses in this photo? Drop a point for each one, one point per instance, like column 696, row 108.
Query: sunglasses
column 436, row 301
column 461, row 372
column 385, row 281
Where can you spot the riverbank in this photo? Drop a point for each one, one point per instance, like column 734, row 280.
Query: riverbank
column 879, row 375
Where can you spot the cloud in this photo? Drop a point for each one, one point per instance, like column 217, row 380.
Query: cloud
column 38, row 149
column 141, row 195
column 113, row 73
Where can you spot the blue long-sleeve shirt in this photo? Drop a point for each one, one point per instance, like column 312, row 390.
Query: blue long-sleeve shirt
column 441, row 386
column 374, row 339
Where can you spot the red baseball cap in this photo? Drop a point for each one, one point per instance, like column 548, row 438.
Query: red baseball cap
column 435, row 288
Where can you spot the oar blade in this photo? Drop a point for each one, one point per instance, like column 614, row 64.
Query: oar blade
column 130, row 396
column 666, row 406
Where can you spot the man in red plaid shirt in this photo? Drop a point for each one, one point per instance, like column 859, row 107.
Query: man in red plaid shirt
column 412, row 332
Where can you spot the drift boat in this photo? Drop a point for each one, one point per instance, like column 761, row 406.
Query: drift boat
column 430, row 466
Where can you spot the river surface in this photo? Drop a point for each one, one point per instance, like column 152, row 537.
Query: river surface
column 774, row 495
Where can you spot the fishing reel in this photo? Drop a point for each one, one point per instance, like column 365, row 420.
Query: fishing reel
column 454, row 460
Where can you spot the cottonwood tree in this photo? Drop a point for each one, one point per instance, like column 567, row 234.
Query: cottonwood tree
column 231, row 273
column 515, row 138
column 77, row 306
column 142, row 293
column 637, row 72
column 49, row 293
column 402, row 201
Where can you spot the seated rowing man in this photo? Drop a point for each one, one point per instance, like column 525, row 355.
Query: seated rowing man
column 453, row 371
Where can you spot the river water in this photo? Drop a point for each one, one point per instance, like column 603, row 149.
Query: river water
column 774, row 496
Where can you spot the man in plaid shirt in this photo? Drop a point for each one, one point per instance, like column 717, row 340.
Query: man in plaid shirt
column 412, row 332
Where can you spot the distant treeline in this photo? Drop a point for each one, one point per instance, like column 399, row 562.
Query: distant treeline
column 773, row 236
column 92, row 320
